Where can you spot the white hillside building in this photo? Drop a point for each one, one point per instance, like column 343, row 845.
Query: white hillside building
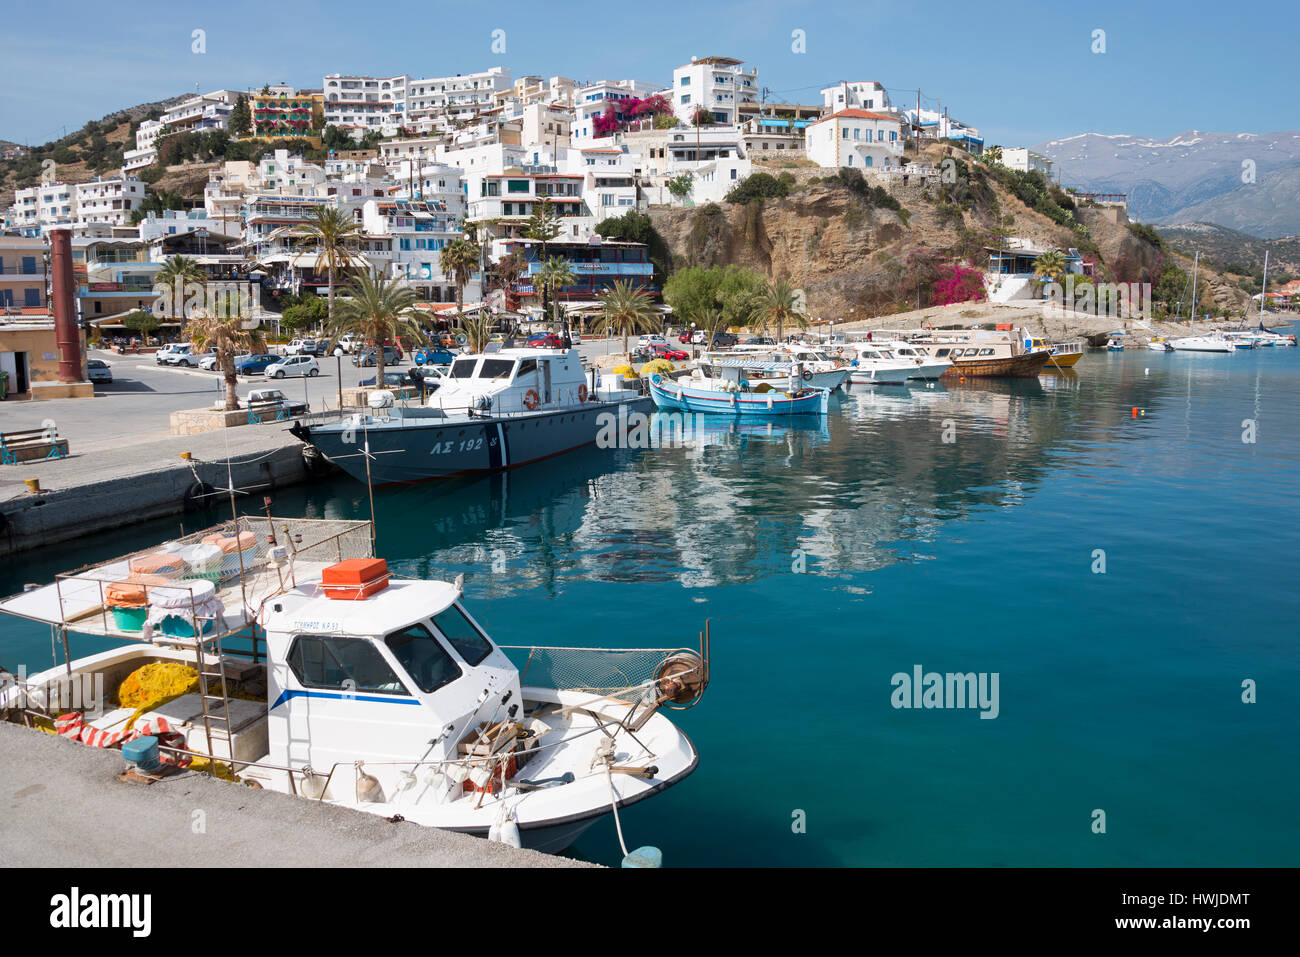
column 854, row 138
column 436, row 103
column 857, row 95
column 361, row 104
column 719, row 84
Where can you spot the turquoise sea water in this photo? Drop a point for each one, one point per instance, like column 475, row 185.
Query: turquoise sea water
column 1119, row 691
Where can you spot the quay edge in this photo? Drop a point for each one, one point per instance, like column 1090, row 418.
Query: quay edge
column 101, row 491
column 50, row 782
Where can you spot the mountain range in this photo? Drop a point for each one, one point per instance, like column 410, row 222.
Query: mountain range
column 1192, row 177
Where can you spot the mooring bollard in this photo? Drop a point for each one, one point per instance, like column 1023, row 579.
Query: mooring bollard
column 33, row 485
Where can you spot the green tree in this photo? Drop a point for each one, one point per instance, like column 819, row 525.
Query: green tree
column 1051, row 266
column 241, row 117
column 782, row 304
column 680, row 186
column 626, row 310
column 377, row 310
column 459, row 259
column 141, row 322
column 478, row 330
column 699, row 291
column 333, row 235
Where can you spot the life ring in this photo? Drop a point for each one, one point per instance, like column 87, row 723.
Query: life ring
column 807, row 376
column 839, row 351
column 531, row 399
column 582, row 393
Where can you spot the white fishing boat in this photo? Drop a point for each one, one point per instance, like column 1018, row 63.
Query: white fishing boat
column 1160, row 344
column 315, row 673
column 876, row 364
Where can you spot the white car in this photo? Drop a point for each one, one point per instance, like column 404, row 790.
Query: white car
column 168, row 353
column 182, row 355
column 348, row 342
column 646, row 341
column 293, row 366
column 208, row 362
column 193, row 359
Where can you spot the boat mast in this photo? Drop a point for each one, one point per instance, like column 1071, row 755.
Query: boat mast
column 1196, row 262
column 1263, row 292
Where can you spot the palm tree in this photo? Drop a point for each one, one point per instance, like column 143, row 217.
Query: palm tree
column 478, row 330
column 626, row 310
column 711, row 322
column 554, row 275
column 187, row 271
column 1051, row 266
column 227, row 336
column 459, row 259
column 332, row 234
column 378, row 310
column 781, row 304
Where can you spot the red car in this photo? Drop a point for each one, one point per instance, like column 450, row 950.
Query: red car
column 663, row 352
column 685, row 337
column 548, row 341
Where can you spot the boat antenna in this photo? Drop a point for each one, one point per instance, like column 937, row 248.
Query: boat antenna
column 370, row 488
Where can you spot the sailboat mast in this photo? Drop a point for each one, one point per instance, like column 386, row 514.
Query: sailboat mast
column 1195, row 262
column 1263, row 292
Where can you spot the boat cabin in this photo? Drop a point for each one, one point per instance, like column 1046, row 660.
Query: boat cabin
column 513, row 380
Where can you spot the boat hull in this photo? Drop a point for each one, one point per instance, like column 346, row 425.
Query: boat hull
column 715, row 402
column 405, row 450
column 1024, row 366
column 1064, row 360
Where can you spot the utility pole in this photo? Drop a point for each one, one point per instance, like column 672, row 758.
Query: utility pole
column 918, row 124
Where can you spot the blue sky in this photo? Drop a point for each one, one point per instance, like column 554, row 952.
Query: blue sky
column 1021, row 72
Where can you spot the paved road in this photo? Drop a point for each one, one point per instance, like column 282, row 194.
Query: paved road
column 137, row 405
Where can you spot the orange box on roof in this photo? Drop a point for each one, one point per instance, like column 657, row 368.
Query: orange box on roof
column 355, row 578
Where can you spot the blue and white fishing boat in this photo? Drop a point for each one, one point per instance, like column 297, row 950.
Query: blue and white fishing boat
column 727, row 393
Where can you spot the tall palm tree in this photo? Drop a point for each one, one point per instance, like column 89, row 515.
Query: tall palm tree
column 334, row 236
column 227, row 336
column 459, row 259
column 555, row 274
column 187, row 271
column 626, row 310
column 712, row 321
column 378, row 310
column 783, row 304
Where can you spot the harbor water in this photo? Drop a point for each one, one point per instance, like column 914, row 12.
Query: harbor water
column 1127, row 576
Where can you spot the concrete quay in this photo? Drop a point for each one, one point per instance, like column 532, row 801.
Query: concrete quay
column 113, row 487
column 64, row 807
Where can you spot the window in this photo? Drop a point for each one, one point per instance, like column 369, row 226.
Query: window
column 31, row 297
column 423, row 657
column 461, row 634
column 686, row 98
column 733, row 174
column 463, row 368
column 528, row 365
column 686, row 81
column 342, row 664
column 496, row 368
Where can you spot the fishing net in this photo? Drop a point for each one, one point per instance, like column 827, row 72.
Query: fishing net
column 155, row 684
column 599, row 670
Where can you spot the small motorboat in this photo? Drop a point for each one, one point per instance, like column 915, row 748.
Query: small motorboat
column 1114, row 345
column 1160, row 344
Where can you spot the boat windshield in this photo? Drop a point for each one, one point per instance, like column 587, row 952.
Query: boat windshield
column 496, row 368
column 462, row 635
column 463, row 368
column 423, row 657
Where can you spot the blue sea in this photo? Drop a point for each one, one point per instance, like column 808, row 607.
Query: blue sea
column 1129, row 579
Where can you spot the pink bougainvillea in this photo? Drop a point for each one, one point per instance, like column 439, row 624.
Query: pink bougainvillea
column 961, row 284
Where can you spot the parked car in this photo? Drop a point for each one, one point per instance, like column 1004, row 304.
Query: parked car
column 497, row 337
column 265, row 397
column 687, row 337
column 723, row 339
column 293, row 366
column 99, row 371
column 173, row 354
column 254, row 365
column 194, row 360
column 209, row 361
column 549, row 340
column 651, row 340
column 664, row 352
column 760, row 341
column 301, row 347
column 163, row 355
column 347, row 343
column 432, row 355
column 392, row 357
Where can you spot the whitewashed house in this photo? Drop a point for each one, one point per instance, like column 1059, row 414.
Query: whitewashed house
column 719, row 84
column 855, row 138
